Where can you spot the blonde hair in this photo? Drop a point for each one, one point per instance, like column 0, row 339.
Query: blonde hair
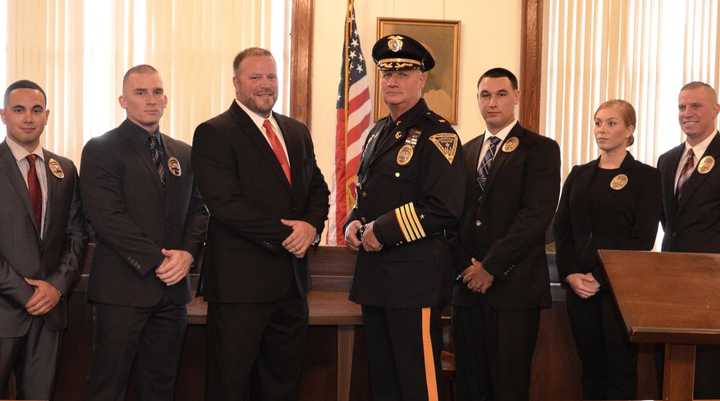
column 626, row 110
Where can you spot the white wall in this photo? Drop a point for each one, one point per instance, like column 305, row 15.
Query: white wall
column 490, row 35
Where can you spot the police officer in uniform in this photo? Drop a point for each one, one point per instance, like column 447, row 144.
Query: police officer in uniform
column 411, row 188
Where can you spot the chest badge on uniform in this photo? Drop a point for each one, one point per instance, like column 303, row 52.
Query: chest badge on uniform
column 55, row 169
column 447, row 144
column 405, row 154
column 174, row 166
column 510, row 144
column 619, row 182
column 706, row 164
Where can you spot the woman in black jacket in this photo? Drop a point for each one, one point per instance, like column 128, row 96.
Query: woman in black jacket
column 610, row 203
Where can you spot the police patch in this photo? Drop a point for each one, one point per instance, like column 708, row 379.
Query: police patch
column 447, row 144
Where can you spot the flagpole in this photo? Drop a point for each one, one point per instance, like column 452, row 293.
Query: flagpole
column 346, row 62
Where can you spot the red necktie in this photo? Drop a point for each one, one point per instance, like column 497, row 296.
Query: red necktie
column 685, row 173
column 277, row 149
column 34, row 190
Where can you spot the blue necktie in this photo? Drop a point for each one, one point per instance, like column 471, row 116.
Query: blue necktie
column 484, row 167
column 156, row 151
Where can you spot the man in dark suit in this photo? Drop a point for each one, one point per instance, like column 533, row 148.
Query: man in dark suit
column 150, row 224
column 41, row 245
column 691, row 201
column 410, row 200
column 268, row 202
column 513, row 187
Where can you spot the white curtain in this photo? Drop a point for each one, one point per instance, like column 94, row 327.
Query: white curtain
column 642, row 51
column 78, row 50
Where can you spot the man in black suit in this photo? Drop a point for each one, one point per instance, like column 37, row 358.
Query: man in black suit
column 150, row 224
column 410, row 200
column 513, row 187
column 691, row 201
column 41, row 245
column 268, row 202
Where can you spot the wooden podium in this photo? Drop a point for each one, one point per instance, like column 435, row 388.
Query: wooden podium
column 669, row 298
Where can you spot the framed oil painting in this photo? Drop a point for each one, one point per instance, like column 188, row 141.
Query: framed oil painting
column 442, row 39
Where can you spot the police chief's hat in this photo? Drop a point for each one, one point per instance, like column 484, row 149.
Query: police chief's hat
column 401, row 52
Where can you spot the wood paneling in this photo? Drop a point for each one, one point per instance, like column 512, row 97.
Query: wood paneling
column 531, row 63
column 301, row 61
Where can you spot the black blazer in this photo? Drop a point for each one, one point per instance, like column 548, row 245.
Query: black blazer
column 691, row 224
column 505, row 228
column 134, row 216
column 247, row 193
column 55, row 258
column 575, row 241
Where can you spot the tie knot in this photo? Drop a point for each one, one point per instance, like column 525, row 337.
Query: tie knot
column 267, row 125
column 494, row 140
column 691, row 154
column 154, row 142
column 31, row 158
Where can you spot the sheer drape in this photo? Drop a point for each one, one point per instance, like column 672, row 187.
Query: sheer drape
column 638, row 50
column 79, row 50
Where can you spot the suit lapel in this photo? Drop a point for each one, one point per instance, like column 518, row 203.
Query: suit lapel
column 247, row 127
column 473, row 156
column 501, row 157
column 669, row 179
column 11, row 170
column 141, row 149
column 172, row 181
column 387, row 139
column 53, row 184
column 294, row 154
column 696, row 179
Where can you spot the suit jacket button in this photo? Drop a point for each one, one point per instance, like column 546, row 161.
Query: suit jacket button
column 364, row 194
column 478, row 223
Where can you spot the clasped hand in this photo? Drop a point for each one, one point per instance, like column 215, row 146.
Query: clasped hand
column 43, row 299
column 302, row 236
column 476, row 278
column 174, row 267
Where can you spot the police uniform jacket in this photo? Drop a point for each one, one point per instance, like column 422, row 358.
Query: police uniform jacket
column 504, row 228
column 634, row 213
column 415, row 201
column 691, row 223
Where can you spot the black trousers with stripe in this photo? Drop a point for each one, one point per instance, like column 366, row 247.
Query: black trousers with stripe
column 404, row 347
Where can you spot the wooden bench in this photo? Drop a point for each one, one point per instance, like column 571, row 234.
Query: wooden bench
column 331, row 270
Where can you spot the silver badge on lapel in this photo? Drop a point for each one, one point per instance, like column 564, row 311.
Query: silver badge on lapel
column 174, row 166
column 55, row 169
column 706, row 164
column 618, row 182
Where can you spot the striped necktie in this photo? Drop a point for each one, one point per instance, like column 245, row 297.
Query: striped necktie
column 483, row 171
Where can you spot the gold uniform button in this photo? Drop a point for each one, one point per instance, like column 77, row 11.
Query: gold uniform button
column 364, row 194
column 478, row 223
column 397, row 174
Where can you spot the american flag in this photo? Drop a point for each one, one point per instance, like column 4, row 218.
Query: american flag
column 353, row 125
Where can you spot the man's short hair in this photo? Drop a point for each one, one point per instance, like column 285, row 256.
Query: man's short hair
column 139, row 69
column 23, row 84
column 249, row 52
column 698, row 85
column 499, row 72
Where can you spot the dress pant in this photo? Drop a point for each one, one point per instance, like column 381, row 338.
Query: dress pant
column 255, row 349
column 144, row 341
column 32, row 359
column 493, row 352
column 403, row 346
column 609, row 359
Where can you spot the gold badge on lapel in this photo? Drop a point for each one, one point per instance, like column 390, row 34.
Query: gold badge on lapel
column 55, row 169
column 618, row 182
column 706, row 164
column 406, row 151
column 174, row 166
column 510, row 144
column 447, row 144
column 404, row 155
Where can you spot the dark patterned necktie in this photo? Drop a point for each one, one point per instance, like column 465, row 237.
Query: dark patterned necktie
column 483, row 171
column 35, row 191
column 156, row 152
column 685, row 173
